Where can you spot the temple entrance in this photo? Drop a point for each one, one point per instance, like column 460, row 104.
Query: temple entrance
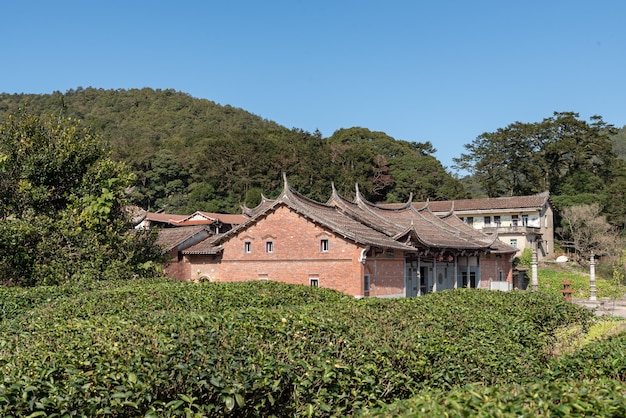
column 472, row 279
column 424, row 289
column 417, row 277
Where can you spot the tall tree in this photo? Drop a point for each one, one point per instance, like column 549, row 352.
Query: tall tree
column 61, row 201
column 551, row 155
column 619, row 143
column 389, row 170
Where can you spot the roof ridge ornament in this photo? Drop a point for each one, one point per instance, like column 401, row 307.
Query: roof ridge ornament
column 287, row 192
column 358, row 196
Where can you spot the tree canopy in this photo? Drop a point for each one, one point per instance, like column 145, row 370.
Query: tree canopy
column 571, row 158
column 61, row 205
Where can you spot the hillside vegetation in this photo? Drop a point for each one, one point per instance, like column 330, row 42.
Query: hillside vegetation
column 162, row 348
column 191, row 154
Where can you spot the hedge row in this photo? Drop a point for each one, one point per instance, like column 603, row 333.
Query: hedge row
column 158, row 348
column 590, row 382
column 541, row 398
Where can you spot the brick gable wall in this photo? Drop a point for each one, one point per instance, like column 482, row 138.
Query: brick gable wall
column 176, row 269
column 297, row 258
column 296, row 255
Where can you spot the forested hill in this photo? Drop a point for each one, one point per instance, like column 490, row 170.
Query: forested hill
column 193, row 154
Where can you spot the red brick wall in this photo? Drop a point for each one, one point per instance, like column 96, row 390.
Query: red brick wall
column 296, row 258
column 386, row 272
column 490, row 268
column 175, row 269
column 203, row 267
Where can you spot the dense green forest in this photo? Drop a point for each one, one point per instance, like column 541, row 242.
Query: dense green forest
column 192, row 154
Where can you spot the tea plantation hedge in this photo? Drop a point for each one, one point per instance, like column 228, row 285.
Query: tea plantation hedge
column 161, row 348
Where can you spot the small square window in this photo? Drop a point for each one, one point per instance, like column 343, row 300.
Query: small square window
column 324, row 245
column 269, row 247
column 314, row 282
column 514, row 242
column 247, row 247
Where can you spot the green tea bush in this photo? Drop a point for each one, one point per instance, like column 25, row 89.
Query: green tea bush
column 603, row 358
column 15, row 301
column 163, row 348
column 542, row 398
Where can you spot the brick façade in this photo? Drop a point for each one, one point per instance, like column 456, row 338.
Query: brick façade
column 296, row 256
column 354, row 247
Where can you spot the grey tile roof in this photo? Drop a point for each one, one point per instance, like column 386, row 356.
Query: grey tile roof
column 170, row 238
column 493, row 203
column 365, row 223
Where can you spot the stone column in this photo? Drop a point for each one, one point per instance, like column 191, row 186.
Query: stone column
column 534, row 280
column 592, row 278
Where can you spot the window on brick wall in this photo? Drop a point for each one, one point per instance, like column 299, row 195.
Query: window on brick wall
column 366, row 283
column 315, row 282
column 247, row 247
column 324, row 245
column 269, row 247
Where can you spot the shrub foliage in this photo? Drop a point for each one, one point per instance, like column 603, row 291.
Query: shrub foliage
column 162, row 348
column 61, row 200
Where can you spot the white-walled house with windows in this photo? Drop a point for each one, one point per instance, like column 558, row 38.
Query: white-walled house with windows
column 520, row 221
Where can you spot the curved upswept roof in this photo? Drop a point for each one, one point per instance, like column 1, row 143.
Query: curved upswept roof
column 426, row 228
column 402, row 227
column 327, row 216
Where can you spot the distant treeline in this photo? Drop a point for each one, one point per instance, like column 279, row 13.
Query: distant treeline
column 192, row 154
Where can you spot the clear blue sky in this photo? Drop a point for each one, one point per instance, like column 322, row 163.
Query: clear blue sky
column 438, row 71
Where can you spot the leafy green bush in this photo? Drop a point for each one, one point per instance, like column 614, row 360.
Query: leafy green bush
column 604, row 358
column 163, row 348
column 553, row 398
column 589, row 382
column 525, row 259
column 61, row 207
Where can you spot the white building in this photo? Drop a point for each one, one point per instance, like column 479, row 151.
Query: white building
column 520, row 221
